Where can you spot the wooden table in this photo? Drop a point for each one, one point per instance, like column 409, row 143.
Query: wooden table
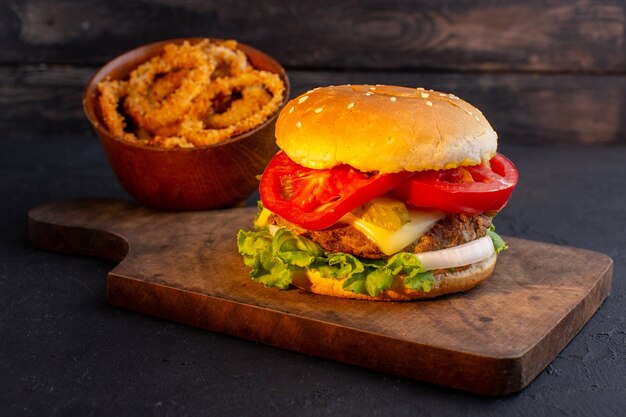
column 66, row 352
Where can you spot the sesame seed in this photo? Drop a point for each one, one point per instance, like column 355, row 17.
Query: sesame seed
column 316, row 88
column 373, row 88
column 350, row 105
column 425, row 95
column 429, row 103
column 442, row 94
column 369, row 93
column 420, row 88
column 319, row 110
column 299, row 124
column 393, row 99
column 291, row 109
column 302, row 99
column 477, row 119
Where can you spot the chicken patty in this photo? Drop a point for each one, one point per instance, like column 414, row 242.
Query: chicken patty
column 450, row 231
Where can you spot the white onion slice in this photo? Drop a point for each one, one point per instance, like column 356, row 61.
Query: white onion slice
column 272, row 229
column 465, row 254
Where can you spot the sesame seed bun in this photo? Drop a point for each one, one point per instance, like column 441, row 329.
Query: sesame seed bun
column 384, row 128
column 445, row 283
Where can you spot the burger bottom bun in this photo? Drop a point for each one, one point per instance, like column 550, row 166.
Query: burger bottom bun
column 445, row 283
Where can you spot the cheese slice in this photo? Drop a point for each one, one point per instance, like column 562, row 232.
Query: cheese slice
column 262, row 218
column 393, row 241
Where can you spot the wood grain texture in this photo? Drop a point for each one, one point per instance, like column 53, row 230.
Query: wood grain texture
column 494, row 339
column 481, row 35
column 523, row 109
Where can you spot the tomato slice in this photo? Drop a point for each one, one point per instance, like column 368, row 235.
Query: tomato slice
column 472, row 190
column 316, row 198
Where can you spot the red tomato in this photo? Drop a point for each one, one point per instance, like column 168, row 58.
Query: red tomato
column 316, row 198
column 471, row 190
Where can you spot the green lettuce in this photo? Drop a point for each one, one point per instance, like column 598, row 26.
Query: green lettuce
column 273, row 261
column 498, row 242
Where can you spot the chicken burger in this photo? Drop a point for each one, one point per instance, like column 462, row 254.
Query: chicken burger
column 379, row 193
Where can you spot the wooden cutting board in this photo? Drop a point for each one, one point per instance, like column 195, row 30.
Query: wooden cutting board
column 494, row 339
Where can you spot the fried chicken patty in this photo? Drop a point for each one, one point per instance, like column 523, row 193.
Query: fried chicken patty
column 450, row 231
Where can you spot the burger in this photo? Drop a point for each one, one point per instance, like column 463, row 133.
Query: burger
column 379, row 193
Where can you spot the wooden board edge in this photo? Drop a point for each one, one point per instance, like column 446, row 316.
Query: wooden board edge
column 74, row 240
column 535, row 360
column 460, row 370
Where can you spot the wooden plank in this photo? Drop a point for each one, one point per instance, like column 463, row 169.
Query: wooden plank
column 524, row 109
column 495, row 339
column 519, row 35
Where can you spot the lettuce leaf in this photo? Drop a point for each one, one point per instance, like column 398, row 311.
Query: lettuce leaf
column 498, row 242
column 256, row 249
column 416, row 277
column 274, row 261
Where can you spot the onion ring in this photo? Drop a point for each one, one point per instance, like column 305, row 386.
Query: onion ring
column 163, row 86
column 194, row 129
column 252, row 101
column 185, row 56
column 170, row 142
column 190, row 95
column 230, row 61
column 111, row 92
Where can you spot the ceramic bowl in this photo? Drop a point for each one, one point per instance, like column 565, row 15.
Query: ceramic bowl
column 200, row 178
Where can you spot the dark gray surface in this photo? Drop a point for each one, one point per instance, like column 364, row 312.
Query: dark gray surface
column 66, row 352
column 543, row 72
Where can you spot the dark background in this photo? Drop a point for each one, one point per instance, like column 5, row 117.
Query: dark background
column 543, row 71
column 549, row 75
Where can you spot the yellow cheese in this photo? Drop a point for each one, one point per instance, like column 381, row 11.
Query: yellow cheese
column 261, row 220
column 393, row 241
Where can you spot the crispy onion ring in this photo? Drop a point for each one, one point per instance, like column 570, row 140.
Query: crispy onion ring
column 165, row 85
column 252, row 100
column 190, row 95
column 195, row 130
column 111, row 92
column 173, row 107
column 230, row 61
column 170, row 142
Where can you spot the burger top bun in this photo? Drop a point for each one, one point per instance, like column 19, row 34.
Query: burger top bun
column 384, row 128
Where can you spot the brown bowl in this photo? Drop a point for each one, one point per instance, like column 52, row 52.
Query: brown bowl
column 208, row 177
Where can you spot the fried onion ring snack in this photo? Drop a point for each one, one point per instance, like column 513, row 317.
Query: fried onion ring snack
column 190, row 95
column 111, row 92
column 241, row 113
